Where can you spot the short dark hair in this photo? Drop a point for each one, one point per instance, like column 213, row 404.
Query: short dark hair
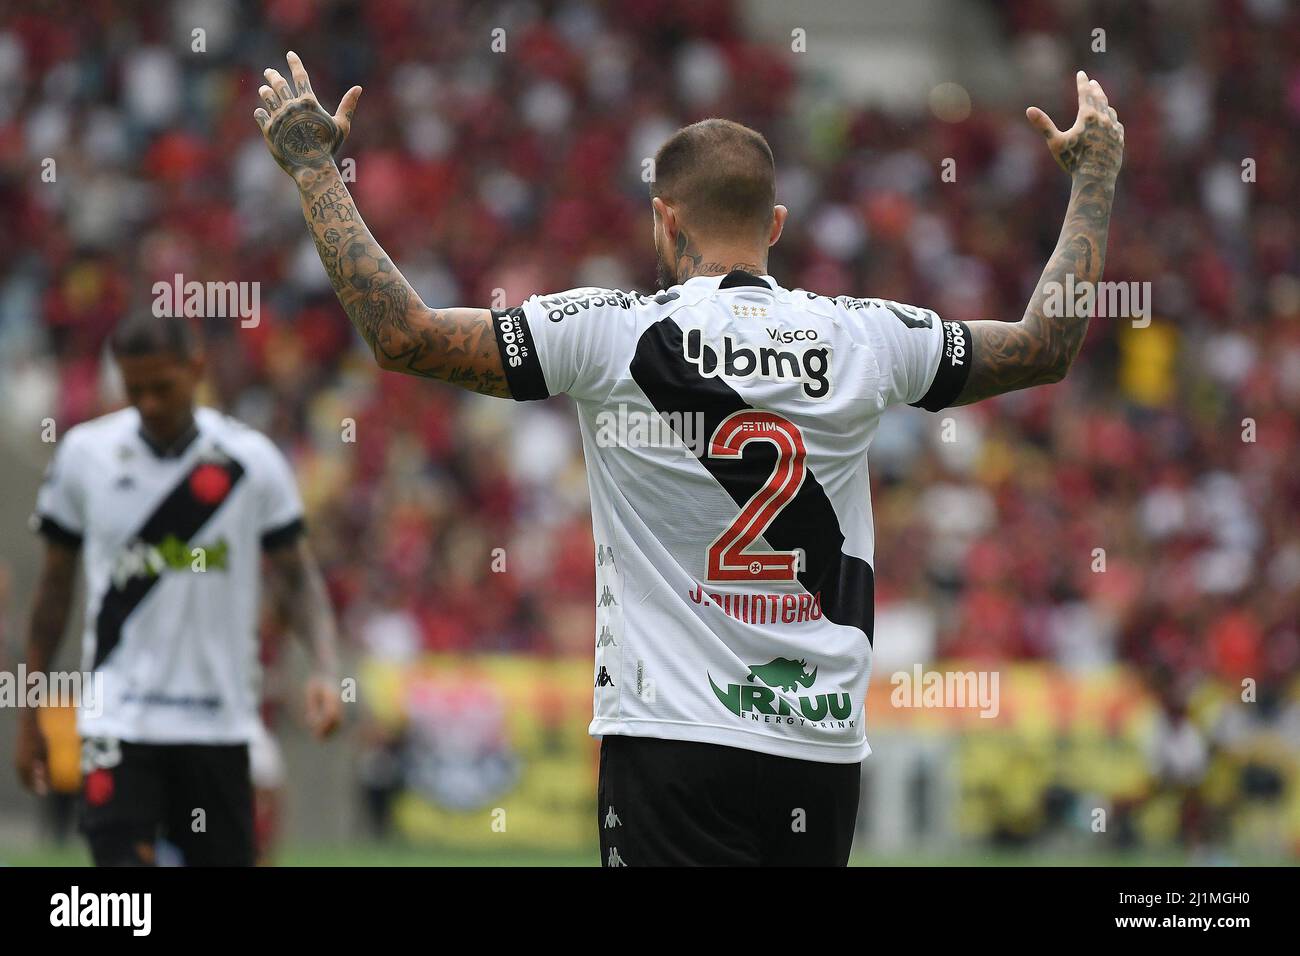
column 721, row 174
column 143, row 333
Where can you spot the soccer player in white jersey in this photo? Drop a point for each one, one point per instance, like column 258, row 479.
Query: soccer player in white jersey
column 734, row 562
column 171, row 508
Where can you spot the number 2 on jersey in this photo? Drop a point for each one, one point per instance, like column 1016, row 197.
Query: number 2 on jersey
column 728, row 558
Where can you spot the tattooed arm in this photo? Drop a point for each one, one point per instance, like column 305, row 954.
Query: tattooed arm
column 1040, row 348
column 454, row 345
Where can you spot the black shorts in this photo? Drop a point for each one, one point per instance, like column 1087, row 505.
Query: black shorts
column 677, row 803
column 197, row 797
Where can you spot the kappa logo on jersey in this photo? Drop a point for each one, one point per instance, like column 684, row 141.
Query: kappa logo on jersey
column 603, row 679
column 730, row 359
column 763, row 697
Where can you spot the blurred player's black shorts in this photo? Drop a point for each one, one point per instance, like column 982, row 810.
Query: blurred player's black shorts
column 197, row 797
column 677, row 803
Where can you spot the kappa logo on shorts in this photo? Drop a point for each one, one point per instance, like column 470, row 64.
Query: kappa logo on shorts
column 611, row 818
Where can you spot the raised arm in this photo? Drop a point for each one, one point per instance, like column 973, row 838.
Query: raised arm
column 1040, row 348
column 455, row 345
column 50, row 610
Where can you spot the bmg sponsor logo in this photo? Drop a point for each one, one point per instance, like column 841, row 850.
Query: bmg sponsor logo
column 731, row 359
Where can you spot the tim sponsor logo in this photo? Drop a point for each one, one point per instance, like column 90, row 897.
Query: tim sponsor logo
column 132, row 910
column 729, row 358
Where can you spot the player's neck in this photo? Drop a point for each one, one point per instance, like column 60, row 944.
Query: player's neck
column 177, row 440
column 721, row 262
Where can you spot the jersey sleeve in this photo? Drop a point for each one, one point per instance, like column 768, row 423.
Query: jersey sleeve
column 924, row 360
column 60, row 502
column 562, row 343
column 280, row 517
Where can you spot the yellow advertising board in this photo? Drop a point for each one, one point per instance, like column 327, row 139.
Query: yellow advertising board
column 497, row 752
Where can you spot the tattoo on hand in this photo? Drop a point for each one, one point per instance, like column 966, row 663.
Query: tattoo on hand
column 304, row 137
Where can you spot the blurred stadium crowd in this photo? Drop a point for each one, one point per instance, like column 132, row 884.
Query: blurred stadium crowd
column 491, row 176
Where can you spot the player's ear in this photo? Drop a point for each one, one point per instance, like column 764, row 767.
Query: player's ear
column 665, row 218
column 778, row 223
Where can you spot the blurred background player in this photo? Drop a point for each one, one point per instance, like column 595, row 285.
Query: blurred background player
column 171, row 508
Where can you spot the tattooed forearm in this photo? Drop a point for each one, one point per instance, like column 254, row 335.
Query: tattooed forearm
column 454, row 345
column 1040, row 348
column 332, row 205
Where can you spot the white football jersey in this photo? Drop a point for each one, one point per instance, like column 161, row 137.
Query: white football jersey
column 171, row 543
column 725, row 424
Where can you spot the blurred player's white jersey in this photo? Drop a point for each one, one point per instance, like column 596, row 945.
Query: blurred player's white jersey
column 171, row 545
column 725, row 424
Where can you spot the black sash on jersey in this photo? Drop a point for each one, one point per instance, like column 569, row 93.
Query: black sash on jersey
column 182, row 513
column 808, row 522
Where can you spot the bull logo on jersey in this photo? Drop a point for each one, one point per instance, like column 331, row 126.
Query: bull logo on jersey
column 769, row 704
column 731, row 359
column 785, row 674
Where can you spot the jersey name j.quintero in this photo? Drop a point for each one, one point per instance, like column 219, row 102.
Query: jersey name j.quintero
column 725, row 423
column 171, row 544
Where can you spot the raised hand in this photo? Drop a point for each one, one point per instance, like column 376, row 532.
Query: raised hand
column 297, row 130
column 1094, row 146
